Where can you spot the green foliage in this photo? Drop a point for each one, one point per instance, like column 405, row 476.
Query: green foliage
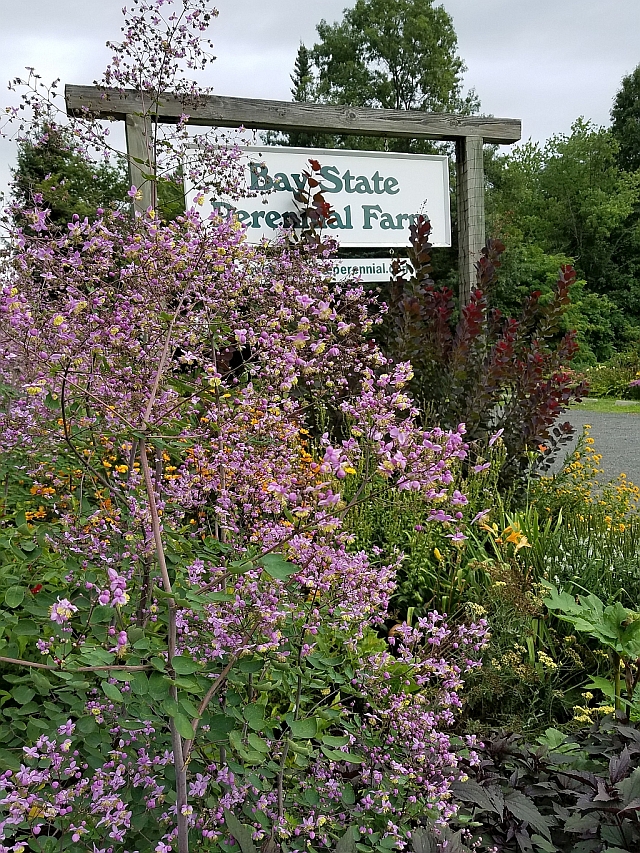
column 51, row 163
column 616, row 628
column 625, row 125
column 395, row 54
column 570, row 198
column 598, row 322
column 576, row 793
column 613, row 378
column 302, row 77
column 435, row 571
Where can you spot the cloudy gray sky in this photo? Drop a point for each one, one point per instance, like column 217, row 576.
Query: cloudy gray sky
column 544, row 61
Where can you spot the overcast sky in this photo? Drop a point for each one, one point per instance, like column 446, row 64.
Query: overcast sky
column 544, row 61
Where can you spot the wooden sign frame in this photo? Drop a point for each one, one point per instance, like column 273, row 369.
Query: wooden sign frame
column 468, row 132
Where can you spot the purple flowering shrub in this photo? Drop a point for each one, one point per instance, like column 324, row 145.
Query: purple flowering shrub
column 210, row 620
column 191, row 648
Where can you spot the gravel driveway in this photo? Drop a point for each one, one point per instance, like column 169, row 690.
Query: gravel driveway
column 617, row 438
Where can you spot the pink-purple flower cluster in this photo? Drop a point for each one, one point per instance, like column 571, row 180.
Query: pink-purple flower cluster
column 196, row 410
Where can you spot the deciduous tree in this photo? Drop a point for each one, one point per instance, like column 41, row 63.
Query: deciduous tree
column 625, row 116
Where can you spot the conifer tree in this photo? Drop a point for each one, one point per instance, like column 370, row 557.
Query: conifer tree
column 51, row 164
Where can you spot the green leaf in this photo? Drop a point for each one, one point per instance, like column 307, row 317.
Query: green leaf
column 348, row 795
column 552, row 738
column 304, row 729
column 41, row 683
column 86, row 725
column 23, row 694
column 298, row 748
column 311, row 796
column 140, row 684
column 26, row 628
column 188, row 707
column 258, row 743
column 329, row 740
column 347, row 844
column 561, row 601
column 251, row 666
column 210, row 596
column 111, row 692
column 183, row 726
column 334, row 755
column 10, row 759
column 14, row 596
column 254, row 715
column 242, row 834
column 122, row 675
column 276, row 566
column 220, row 726
column 171, row 706
column 184, row 666
column 598, row 683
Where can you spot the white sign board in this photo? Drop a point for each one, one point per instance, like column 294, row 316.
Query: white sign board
column 366, row 269
column 374, row 195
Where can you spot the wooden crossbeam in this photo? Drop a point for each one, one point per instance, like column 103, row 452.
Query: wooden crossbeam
column 220, row 111
column 468, row 132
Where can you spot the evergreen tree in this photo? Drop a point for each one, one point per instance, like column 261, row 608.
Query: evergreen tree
column 302, row 91
column 51, row 164
column 302, row 77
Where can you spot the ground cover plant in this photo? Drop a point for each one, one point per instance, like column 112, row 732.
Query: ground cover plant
column 616, row 377
column 576, row 793
column 579, row 534
column 193, row 651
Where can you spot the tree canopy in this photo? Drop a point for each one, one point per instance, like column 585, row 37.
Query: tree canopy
column 625, row 116
column 392, row 54
column 51, row 164
column 396, row 54
column 568, row 199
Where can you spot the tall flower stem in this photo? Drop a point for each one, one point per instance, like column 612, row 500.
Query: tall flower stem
column 176, row 739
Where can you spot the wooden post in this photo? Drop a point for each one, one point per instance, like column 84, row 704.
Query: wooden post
column 471, row 228
column 140, row 148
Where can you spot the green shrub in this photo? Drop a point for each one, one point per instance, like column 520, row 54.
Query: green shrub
column 612, row 378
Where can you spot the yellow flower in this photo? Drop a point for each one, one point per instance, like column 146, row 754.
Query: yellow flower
column 438, row 555
column 547, row 661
